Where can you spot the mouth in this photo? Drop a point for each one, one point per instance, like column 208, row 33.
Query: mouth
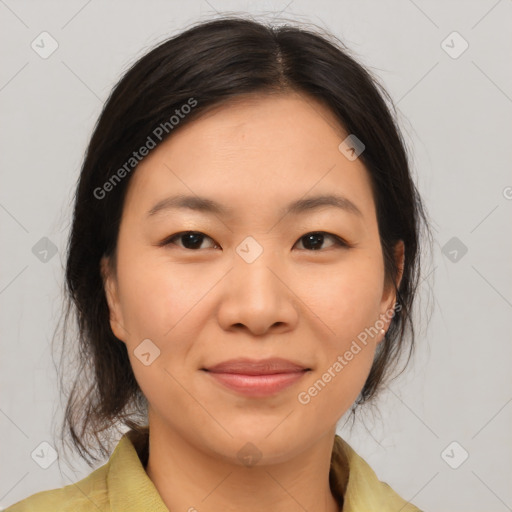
column 257, row 378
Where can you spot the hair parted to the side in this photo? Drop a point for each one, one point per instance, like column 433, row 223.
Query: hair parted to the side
column 213, row 62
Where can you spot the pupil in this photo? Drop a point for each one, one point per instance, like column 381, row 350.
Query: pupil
column 193, row 239
column 311, row 239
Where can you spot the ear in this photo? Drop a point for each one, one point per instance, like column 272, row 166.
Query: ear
column 389, row 294
column 112, row 295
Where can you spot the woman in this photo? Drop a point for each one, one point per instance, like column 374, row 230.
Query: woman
column 242, row 264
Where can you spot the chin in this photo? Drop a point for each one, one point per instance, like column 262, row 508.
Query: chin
column 268, row 442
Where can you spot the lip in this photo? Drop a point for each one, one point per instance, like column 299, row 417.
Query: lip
column 257, row 378
column 248, row 366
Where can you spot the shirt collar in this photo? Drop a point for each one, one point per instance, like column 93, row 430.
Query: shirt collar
column 353, row 483
column 129, row 487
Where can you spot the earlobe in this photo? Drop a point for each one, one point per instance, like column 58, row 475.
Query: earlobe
column 111, row 295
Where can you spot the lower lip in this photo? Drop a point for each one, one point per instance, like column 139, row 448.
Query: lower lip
column 257, row 385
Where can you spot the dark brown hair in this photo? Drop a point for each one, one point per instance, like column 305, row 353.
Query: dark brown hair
column 213, row 62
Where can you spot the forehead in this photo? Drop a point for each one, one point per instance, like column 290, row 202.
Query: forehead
column 255, row 152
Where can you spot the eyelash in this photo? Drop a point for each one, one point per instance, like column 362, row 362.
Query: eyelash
column 337, row 240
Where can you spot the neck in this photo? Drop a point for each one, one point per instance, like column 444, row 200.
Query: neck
column 190, row 479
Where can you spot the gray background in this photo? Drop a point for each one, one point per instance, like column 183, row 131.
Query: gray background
column 456, row 114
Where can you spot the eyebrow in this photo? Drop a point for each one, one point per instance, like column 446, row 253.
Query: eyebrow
column 205, row 205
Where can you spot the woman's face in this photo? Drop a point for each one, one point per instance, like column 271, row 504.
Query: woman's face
column 255, row 281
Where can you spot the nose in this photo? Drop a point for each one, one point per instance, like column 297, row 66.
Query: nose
column 257, row 297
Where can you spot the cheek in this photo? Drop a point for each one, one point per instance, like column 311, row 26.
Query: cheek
column 156, row 296
column 156, row 301
column 347, row 297
column 163, row 302
column 348, row 303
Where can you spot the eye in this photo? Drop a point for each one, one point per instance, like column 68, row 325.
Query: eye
column 314, row 240
column 192, row 240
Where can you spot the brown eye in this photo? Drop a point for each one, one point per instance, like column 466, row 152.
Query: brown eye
column 314, row 241
column 191, row 240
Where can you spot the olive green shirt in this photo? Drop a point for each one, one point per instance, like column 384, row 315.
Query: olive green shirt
column 122, row 485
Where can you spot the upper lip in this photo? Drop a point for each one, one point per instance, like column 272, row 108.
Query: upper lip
column 246, row 366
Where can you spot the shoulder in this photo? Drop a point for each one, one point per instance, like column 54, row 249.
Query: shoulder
column 363, row 490
column 88, row 494
column 120, row 484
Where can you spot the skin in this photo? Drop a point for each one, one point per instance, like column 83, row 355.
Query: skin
column 206, row 305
